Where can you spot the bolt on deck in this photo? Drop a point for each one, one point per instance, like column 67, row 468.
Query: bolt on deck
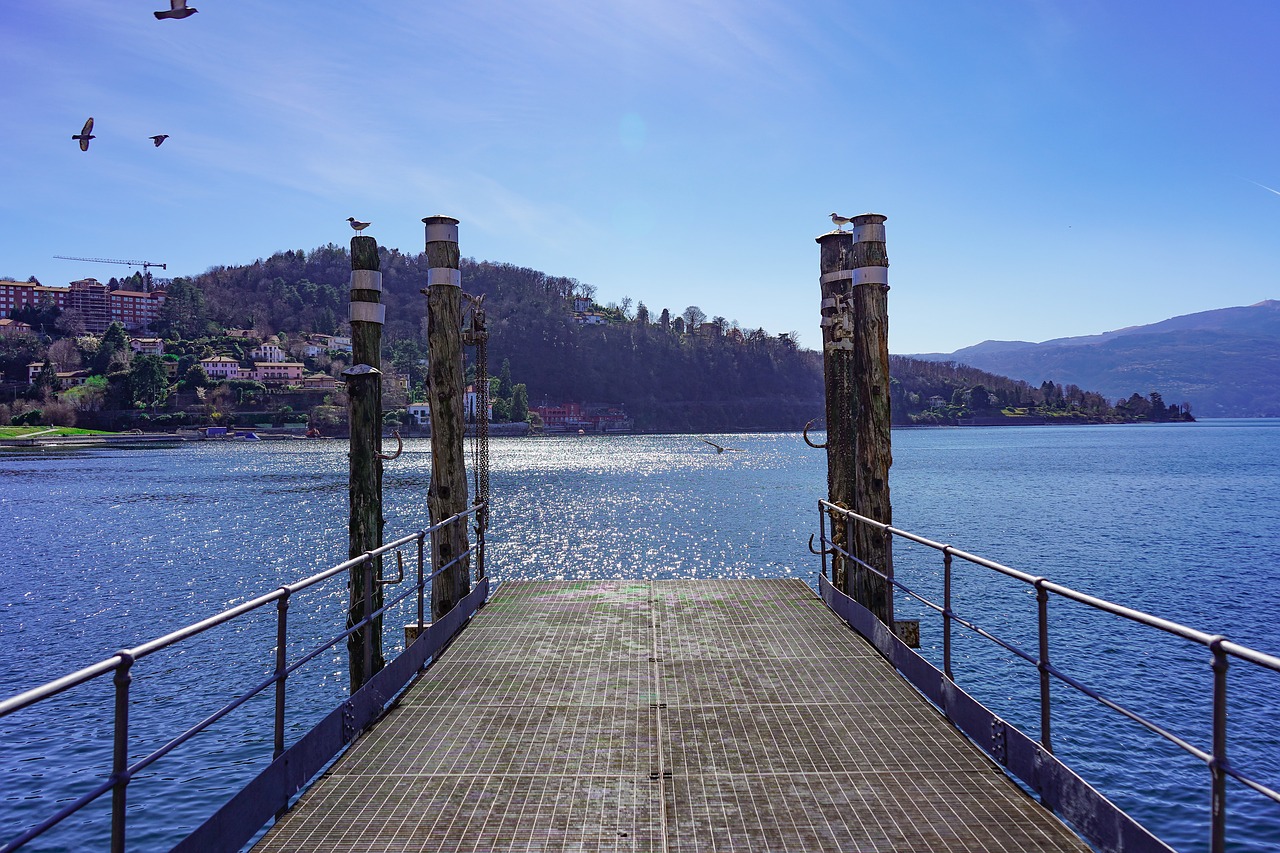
column 664, row 716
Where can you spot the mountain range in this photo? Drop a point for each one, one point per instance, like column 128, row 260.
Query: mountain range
column 1224, row 363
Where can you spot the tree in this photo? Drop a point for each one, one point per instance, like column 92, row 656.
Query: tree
column 664, row 319
column 46, row 383
column 504, row 381
column 148, row 380
column 519, row 403
column 642, row 315
column 693, row 317
column 88, row 397
column 113, row 351
column 184, row 313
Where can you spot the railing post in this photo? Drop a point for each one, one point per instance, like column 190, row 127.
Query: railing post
column 421, row 574
column 1042, row 608
column 946, row 612
column 282, row 633
column 120, row 752
column 1218, row 764
column 822, row 538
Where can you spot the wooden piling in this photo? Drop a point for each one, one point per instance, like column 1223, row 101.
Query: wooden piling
column 448, row 493
column 837, row 260
column 364, row 395
column 855, row 337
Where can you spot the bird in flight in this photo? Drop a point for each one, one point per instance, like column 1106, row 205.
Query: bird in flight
column 357, row 225
column 178, row 9
column 840, row 221
column 159, row 138
column 85, row 134
column 721, row 449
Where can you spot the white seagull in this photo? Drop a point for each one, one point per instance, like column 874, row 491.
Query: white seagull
column 85, row 134
column 178, row 9
column 840, row 221
column 357, row 225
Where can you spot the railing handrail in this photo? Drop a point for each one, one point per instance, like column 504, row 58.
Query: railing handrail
column 1221, row 648
column 122, row 663
column 1204, row 638
column 52, row 688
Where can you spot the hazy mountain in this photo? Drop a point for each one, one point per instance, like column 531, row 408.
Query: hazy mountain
column 1225, row 363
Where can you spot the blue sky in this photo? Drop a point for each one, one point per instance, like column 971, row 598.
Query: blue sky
column 1047, row 168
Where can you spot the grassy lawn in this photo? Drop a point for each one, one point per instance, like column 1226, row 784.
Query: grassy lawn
column 24, row 431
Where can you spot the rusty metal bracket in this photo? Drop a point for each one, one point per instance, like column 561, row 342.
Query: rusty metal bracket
column 805, row 434
column 399, row 447
column 831, row 551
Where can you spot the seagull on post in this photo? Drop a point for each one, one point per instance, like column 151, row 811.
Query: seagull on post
column 178, row 9
column 840, row 221
column 357, row 225
column 85, row 134
column 159, row 139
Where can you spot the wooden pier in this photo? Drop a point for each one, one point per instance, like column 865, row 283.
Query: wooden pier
column 663, row 716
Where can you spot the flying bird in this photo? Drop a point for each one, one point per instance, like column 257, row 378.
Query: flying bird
column 722, row 449
column 159, row 139
column 840, row 221
column 86, row 133
column 357, row 225
column 177, row 9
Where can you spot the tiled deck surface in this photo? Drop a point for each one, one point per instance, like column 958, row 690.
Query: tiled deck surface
column 664, row 716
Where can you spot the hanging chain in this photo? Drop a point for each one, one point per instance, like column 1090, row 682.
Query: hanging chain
column 478, row 336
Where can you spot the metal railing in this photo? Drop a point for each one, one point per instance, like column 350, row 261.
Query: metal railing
column 1221, row 650
column 121, row 666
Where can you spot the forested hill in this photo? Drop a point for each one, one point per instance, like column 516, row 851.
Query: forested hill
column 648, row 360
column 666, row 378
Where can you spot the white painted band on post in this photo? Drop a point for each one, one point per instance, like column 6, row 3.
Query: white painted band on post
column 367, row 312
column 444, row 275
column 830, row 302
column 872, row 232
column 842, row 344
column 838, row 275
column 366, row 280
column 871, row 275
column 442, row 232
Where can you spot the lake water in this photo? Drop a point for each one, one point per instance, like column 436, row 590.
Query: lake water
column 105, row 548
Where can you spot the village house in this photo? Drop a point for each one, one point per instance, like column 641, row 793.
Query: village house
column 319, row 382
column 147, row 346
column 223, row 367
column 277, row 372
column 268, row 350
column 10, row 326
column 421, row 413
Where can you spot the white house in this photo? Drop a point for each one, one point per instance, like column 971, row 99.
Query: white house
column 267, row 351
column 421, row 413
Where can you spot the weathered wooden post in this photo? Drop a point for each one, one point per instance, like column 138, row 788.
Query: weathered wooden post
column 364, row 407
column 855, row 347
column 837, row 369
column 871, row 414
column 448, row 493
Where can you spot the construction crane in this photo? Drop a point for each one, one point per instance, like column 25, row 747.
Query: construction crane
column 144, row 264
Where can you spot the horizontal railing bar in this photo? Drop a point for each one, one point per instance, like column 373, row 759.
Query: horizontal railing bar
column 150, row 759
column 53, row 688
column 1186, row 746
column 60, row 815
column 1138, row 616
column 1251, row 784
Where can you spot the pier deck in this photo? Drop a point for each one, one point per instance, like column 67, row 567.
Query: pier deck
column 664, row 716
